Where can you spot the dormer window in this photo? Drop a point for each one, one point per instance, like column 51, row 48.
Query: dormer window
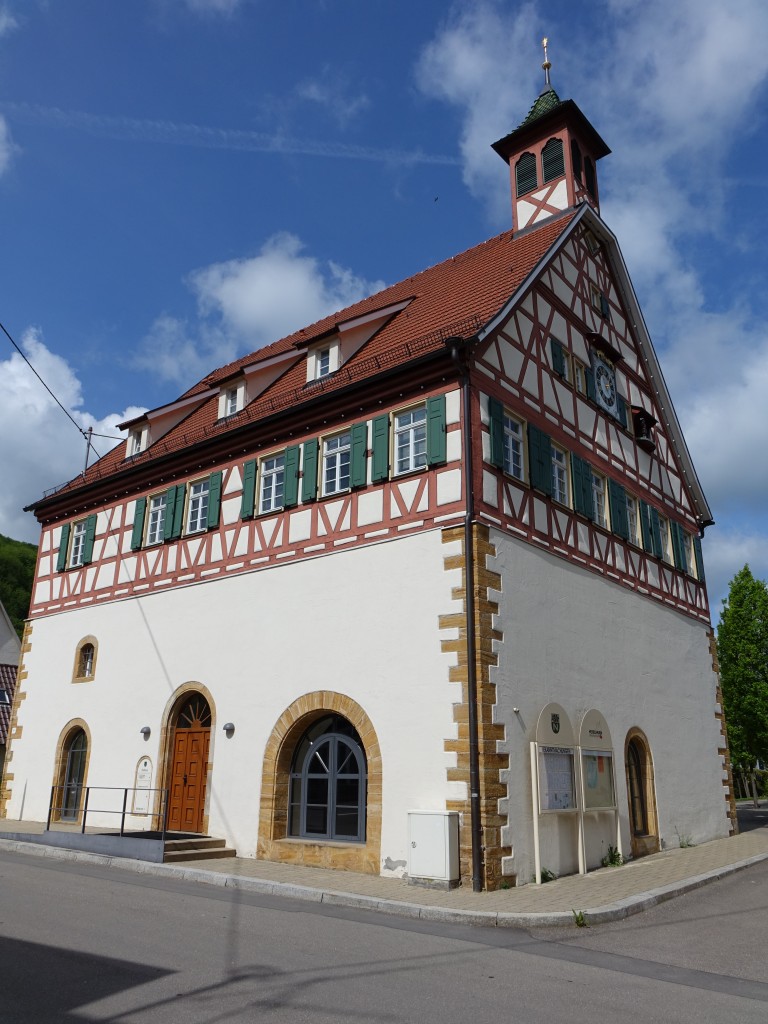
column 137, row 441
column 552, row 161
column 526, row 178
column 323, row 360
column 231, row 399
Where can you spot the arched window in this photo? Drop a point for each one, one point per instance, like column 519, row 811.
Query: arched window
column 638, row 808
column 526, row 179
column 576, row 159
column 74, row 776
column 589, row 175
column 552, row 162
column 85, row 660
column 328, row 783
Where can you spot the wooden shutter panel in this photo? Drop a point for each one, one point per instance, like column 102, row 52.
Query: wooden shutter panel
column 678, row 546
column 558, row 359
column 525, row 174
column 436, row 445
column 309, row 479
column 358, row 476
column 552, row 160
column 291, row 478
column 583, row 500
column 214, row 500
column 90, row 536
column 589, row 377
column 540, row 459
column 61, row 561
column 656, row 533
column 174, row 512
column 380, row 446
column 248, row 500
column 645, row 526
column 496, row 424
column 617, row 497
column 699, row 557
column 621, row 411
column 605, row 309
column 138, row 524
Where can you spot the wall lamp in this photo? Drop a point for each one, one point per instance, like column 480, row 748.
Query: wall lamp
column 229, row 728
column 145, row 731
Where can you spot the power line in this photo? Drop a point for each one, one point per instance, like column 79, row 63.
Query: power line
column 66, row 412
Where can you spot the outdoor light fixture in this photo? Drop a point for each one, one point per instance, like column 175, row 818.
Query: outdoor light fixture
column 145, row 731
column 229, row 728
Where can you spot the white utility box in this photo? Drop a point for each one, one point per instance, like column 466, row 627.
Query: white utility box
column 433, row 846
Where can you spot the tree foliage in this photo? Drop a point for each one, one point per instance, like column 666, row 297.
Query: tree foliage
column 17, row 570
column 742, row 645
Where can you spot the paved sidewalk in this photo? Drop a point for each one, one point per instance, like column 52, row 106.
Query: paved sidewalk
column 603, row 895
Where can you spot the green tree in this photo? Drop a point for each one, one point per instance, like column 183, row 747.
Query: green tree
column 17, row 570
column 742, row 646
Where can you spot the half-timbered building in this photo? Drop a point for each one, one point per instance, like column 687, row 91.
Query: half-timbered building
column 382, row 564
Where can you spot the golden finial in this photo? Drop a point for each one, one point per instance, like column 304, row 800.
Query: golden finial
column 547, row 63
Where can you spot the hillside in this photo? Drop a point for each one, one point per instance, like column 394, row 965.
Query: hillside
column 17, row 570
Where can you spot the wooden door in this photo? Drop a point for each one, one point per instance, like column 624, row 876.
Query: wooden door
column 188, row 775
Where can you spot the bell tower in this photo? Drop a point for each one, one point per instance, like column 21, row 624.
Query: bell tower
column 552, row 158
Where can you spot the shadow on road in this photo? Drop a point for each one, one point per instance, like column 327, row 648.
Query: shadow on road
column 752, row 817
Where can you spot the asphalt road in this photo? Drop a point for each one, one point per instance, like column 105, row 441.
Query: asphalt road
column 80, row 943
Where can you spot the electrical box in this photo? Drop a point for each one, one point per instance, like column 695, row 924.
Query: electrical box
column 433, row 846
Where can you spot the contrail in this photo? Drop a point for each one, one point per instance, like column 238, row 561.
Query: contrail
column 129, row 129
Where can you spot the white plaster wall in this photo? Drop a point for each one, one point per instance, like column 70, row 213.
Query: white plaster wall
column 585, row 642
column 363, row 622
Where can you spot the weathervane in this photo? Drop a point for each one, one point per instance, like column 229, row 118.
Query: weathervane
column 547, row 64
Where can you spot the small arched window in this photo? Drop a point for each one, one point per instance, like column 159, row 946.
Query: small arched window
column 638, row 808
column 576, row 159
column 71, row 794
column 85, row 660
column 589, row 175
column 328, row 783
column 552, row 162
column 526, row 178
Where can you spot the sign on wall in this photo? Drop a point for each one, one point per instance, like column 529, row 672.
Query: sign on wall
column 142, row 785
column 556, row 779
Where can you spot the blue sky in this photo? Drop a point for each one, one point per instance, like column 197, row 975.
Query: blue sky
column 183, row 181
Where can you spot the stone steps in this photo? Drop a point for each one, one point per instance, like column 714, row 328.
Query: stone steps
column 196, row 848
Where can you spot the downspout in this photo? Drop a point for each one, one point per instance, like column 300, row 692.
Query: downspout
column 458, row 348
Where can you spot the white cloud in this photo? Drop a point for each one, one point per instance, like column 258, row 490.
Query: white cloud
column 725, row 552
column 331, row 91
column 247, row 303
column 673, row 89
column 7, row 146
column 7, row 21
column 39, row 448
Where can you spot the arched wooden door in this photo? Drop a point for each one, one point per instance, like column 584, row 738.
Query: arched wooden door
column 74, row 775
column 189, row 765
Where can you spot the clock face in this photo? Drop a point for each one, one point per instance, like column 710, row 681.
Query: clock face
column 605, row 383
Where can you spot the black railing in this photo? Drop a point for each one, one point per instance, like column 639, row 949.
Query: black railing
column 75, row 805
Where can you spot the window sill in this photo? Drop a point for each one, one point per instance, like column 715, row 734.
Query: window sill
column 342, row 844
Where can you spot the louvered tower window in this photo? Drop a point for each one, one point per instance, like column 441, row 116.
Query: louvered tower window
column 576, row 159
column 552, row 162
column 589, row 175
column 525, row 174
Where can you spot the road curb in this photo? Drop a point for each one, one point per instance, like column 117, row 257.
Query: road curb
column 601, row 914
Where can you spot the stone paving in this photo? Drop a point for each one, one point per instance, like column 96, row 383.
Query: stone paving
column 605, row 894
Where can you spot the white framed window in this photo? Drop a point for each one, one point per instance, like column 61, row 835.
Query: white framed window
column 336, row 463
column 197, row 511
column 599, row 503
column 579, row 377
column 633, row 522
column 156, row 523
column 513, row 448
column 411, row 440
column 272, row 484
column 323, row 360
column 78, row 544
column 559, row 476
column 231, row 402
column 135, row 442
column 323, row 363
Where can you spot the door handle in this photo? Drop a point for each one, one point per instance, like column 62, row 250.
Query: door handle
column 185, row 779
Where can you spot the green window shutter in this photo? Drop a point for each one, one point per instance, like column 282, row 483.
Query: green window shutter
column 656, row 532
column 617, row 497
column 621, row 411
column 558, row 359
column 583, row 500
column 605, row 308
column 589, row 377
column 678, row 546
column 436, row 446
column 309, row 479
column 61, row 561
column 291, row 478
column 496, row 418
column 174, row 512
column 358, row 469
column 699, row 557
column 540, row 459
column 380, row 446
column 247, row 502
column 138, row 524
column 90, row 536
column 214, row 500
column 645, row 526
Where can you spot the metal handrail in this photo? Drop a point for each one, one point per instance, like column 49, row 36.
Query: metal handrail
column 85, row 809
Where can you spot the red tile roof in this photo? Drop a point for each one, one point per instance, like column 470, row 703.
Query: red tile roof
column 456, row 297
